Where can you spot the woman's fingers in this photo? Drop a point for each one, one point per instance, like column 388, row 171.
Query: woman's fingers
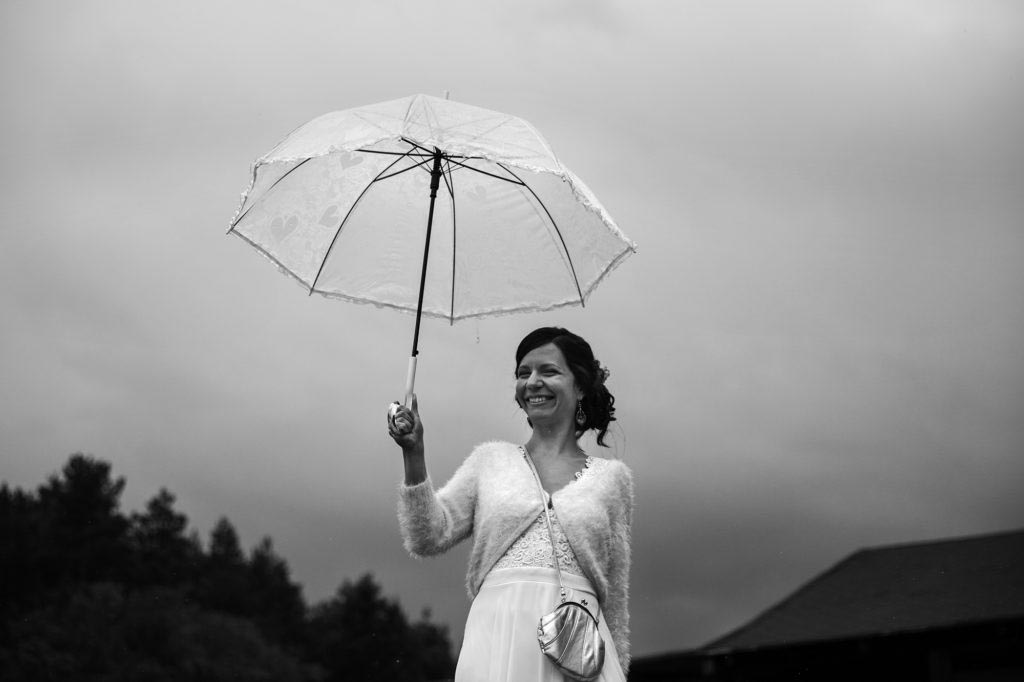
column 403, row 423
column 410, row 416
column 397, row 423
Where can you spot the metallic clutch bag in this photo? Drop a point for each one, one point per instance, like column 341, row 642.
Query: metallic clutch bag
column 568, row 636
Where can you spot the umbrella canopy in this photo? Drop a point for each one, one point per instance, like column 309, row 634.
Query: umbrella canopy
column 341, row 206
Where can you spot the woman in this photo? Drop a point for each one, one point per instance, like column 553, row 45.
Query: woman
column 493, row 496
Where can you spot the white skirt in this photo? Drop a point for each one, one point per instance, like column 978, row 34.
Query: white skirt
column 500, row 642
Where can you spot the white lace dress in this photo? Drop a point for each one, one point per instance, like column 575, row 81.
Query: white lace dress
column 500, row 642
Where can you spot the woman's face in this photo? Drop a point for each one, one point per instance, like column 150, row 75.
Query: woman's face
column 545, row 386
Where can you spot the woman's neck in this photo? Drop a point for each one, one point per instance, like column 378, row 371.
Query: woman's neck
column 555, row 441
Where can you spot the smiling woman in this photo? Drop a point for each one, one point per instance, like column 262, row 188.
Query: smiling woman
column 550, row 524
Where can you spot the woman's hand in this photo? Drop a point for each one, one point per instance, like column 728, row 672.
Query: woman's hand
column 405, row 427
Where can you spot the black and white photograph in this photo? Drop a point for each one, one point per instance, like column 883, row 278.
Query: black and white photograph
column 485, row 341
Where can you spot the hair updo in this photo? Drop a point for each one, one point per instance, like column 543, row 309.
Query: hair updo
column 598, row 403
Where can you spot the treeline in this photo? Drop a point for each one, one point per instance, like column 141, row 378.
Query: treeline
column 88, row 593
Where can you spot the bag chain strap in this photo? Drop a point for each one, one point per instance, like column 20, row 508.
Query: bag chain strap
column 548, row 504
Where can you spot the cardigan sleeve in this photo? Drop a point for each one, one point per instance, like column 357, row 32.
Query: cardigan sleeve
column 432, row 521
column 617, row 613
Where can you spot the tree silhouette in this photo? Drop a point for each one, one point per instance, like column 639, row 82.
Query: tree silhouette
column 224, row 580
column 164, row 555
column 106, row 633
column 85, row 532
column 277, row 604
column 88, row 593
column 20, row 539
column 434, row 648
column 361, row 635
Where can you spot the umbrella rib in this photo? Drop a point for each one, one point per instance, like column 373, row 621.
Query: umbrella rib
column 517, row 181
column 448, row 177
column 449, row 182
column 568, row 256
column 337, row 233
column 391, row 175
column 411, row 143
column 425, row 152
column 430, row 152
column 408, row 109
column 504, row 119
column 371, row 121
column 264, row 195
column 381, row 151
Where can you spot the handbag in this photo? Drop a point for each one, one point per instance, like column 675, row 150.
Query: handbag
column 568, row 636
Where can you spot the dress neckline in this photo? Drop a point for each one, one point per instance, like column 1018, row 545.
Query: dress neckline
column 577, row 476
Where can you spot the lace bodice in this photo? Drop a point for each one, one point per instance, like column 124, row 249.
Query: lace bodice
column 533, row 548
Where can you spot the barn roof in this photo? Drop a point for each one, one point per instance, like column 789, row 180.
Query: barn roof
column 893, row 589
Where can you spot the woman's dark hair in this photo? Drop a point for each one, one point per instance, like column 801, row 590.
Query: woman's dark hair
column 598, row 402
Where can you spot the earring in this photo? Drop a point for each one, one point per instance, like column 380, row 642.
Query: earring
column 581, row 416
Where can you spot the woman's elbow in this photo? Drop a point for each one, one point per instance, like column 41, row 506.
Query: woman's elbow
column 421, row 547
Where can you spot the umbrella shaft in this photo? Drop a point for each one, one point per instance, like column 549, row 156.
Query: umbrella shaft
column 435, row 182
column 410, row 381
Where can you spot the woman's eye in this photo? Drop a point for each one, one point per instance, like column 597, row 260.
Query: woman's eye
column 545, row 371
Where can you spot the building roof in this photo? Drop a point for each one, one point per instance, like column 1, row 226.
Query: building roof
column 895, row 589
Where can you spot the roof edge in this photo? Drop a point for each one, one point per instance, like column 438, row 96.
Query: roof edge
column 714, row 644
column 852, row 638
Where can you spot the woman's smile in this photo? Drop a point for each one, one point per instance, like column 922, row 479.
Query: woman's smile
column 540, row 402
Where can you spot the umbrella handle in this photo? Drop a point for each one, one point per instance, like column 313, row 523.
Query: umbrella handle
column 410, row 380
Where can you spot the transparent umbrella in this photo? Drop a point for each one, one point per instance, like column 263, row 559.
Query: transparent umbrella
column 430, row 206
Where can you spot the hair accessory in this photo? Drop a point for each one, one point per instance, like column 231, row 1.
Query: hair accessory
column 581, row 416
column 569, row 635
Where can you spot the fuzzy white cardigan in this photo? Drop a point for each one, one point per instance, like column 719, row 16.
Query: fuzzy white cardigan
column 494, row 497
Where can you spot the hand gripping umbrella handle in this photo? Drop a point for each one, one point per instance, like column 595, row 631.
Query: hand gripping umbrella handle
column 410, row 380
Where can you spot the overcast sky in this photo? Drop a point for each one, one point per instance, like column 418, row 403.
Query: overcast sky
column 819, row 345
